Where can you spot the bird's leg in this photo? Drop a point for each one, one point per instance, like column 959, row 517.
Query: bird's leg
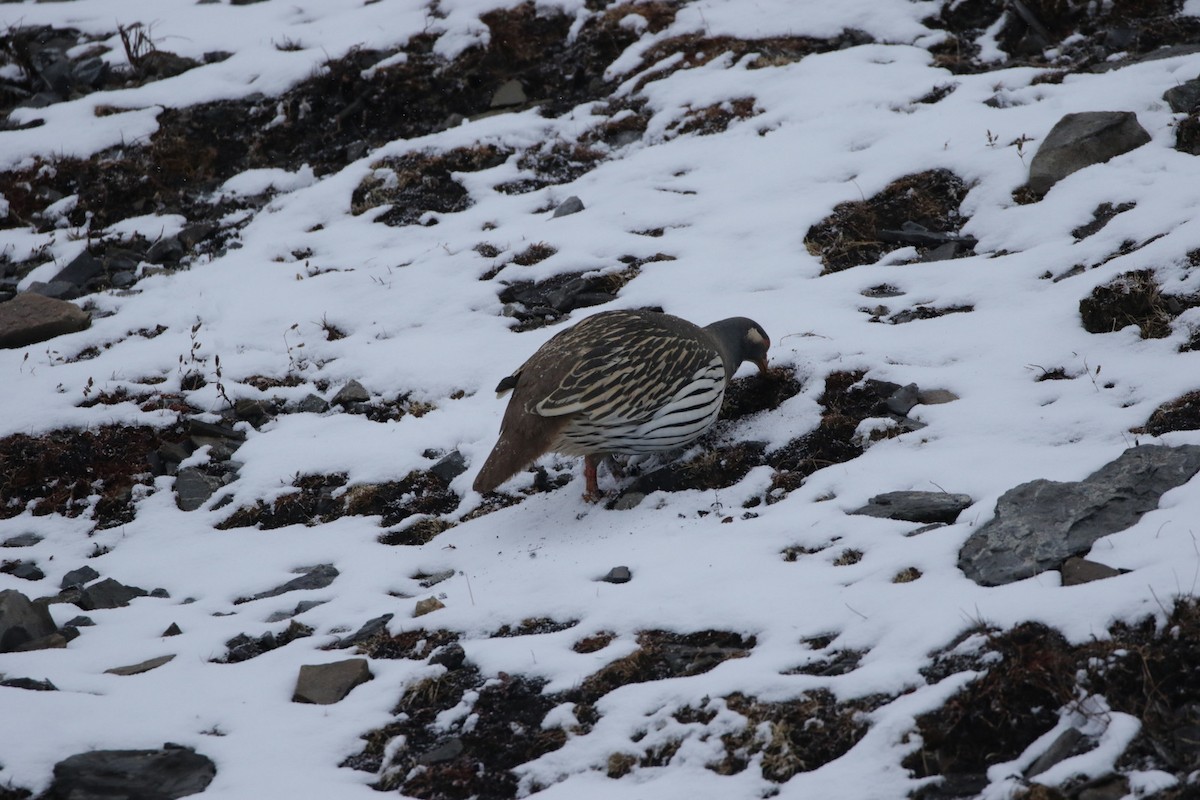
column 591, row 492
column 613, row 466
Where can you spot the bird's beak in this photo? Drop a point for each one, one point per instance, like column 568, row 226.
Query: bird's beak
column 761, row 363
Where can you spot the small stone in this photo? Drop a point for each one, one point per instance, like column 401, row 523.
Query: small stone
column 324, row 684
column 427, row 606
column 21, row 540
column 369, row 630
column 172, row 630
column 138, row 669
column 165, row 774
column 618, row 575
column 79, row 622
column 22, row 621
column 934, row 397
column 1069, row 743
column 312, row 404
column 903, row 400
column 26, row 571
column 1081, row 140
column 253, row 411
column 1076, row 571
column 452, row 656
column 108, row 593
column 31, row 318
column 1184, row 98
column 446, row 751
column 435, row 578
column 123, row 279
column 78, row 577
column 572, row 205
column 82, row 269
column 301, row 607
column 56, row 290
column 510, row 93
column 450, row 466
column 29, row 683
column 1115, row 788
column 317, row 577
column 195, row 233
column 193, row 488
column 916, row 506
column 628, row 500
column 352, row 392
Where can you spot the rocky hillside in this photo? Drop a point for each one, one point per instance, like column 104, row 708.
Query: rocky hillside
column 262, row 264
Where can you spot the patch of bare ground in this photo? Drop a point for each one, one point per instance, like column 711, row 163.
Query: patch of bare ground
column 418, row 183
column 912, row 210
column 1180, row 414
column 1133, row 298
column 535, row 304
column 318, row 498
column 71, row 472
column 1067, row 36
column 715, row 118
column 1029, row 672
column 792, row 736
column 417, row 644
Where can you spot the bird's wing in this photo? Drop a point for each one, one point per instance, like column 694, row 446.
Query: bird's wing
column 625, row 379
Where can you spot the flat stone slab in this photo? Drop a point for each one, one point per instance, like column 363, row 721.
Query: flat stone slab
column 143, row 774
column 1040, row 524
column 916, row 506
column 30, row 318
column 1081, row 140
column 325, row 684
column 144, row 666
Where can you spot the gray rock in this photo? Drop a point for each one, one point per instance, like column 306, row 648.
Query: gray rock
column 317, row 577
column 618, row 575
column 312, row 404
column 164, row 774
column 29, row 683
column 1069, row 743
column 510, row 93
column 26, row 571
column 22, row 620
column 916, row 506
column 21, row 540
column 31, row 318
column 352, row 392
column 123, row 279
column 369, row 630
column 446, row 751
column 82, row 269
column 108, row 593
column 1038, row 525
column 572, row 205
column 427, row 606
column 79, row 622
column 195, row 233
column 324, row 684
column 902, row 400
column 1079, row 570
column 164, row 251
column 78, row 577
column 301, row 607
column 172, row 630
column 1184, row 98
column 450, row 466
column 1080, row 140
column 193, row 487
column 140, row 667
column 56, row 290
column 451, row 656
column 933, row 397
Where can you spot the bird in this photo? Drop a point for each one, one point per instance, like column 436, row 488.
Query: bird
column 619, row 383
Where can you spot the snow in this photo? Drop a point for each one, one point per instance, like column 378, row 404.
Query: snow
column 735, row 207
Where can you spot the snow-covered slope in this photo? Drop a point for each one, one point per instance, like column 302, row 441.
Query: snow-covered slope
column 302, row 290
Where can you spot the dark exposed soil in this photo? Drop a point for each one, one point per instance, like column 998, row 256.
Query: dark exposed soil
column 856, row 232
column 1143, row 670
column 419, row 492
column 1180, row 414
column 415, row 184
column 417, row 644
column 64, row 471
column 1133, row 298
column 1104, row 214
column 243, row 647
column 1131, row 28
